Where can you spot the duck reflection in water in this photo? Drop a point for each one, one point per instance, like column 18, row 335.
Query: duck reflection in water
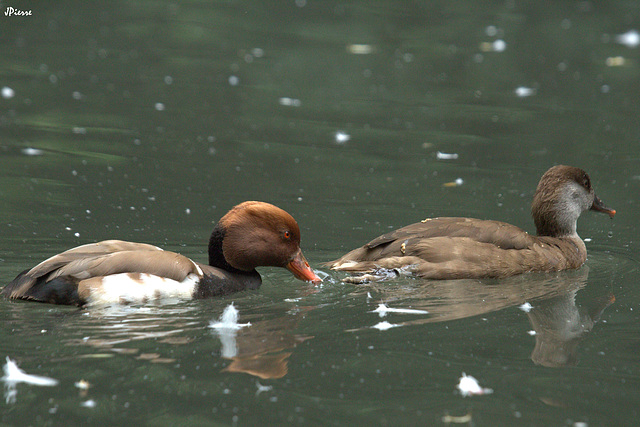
column 261, row 349
column 559, row 324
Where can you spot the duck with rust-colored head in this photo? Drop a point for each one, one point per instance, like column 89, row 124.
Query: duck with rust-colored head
column 250, row 235
column 457, row 248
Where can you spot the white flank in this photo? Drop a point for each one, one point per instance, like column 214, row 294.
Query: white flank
column 14, row 375
column 140, row 288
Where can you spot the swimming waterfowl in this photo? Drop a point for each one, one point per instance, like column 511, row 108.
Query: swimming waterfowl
column 250, row 235
column 456, row 248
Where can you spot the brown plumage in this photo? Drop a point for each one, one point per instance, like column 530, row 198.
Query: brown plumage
column 454, row 248
column 252, row 234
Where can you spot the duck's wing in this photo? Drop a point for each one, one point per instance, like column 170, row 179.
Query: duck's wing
column 436, row 244
column 501, row 234
column 58, row 278
column 105, row 247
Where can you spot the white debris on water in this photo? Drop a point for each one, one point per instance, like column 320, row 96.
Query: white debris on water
column 82, row 384
column 361, row 49
column 289, row 102
column 523, row 92
column 613, row 61
column 383, row 309
column 227, row 328
column 14, row 375
column 7, row 92
column 88, row 403
column 342, row 137
column 261, row 388
column 499, row 45
column 491, row 30
column 455, row 183
column 383, row 326
column 469, row 386
column 526, row 307
column 495, row 46
column 630, row 39
column 30, row 151
column 229, row 320
column 446, row 156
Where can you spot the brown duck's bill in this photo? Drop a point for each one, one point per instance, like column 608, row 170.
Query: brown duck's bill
column 601, row 207
column 300, row 268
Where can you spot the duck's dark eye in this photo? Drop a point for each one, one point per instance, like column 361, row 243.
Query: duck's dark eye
column 586, row 182
column 287, row 235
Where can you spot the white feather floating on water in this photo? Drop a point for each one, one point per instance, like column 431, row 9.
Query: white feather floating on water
column 630, row 38
column 383, row 326
column 7, row 92
column 261, row 388
column 88, row 403
column 383, row 309
column 469, row 386
column 341, row 137
column 14, row 375
column 227, row 328
column 523, row 91
column 526, row 307
column 229, row 320
column 446, row 156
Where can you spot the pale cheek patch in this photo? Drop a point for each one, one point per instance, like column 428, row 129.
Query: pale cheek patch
column 128, row 288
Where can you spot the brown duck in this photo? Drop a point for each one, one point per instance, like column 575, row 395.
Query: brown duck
column 455, row 248
column 251, row 234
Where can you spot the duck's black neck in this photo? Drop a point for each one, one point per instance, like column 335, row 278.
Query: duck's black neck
column 216, row 255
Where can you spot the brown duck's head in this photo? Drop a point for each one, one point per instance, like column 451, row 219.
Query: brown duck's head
column 563, row 193
column 261, row 234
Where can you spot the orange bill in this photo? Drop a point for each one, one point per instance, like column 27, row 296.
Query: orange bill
column 601, row 207
column 300, row 268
